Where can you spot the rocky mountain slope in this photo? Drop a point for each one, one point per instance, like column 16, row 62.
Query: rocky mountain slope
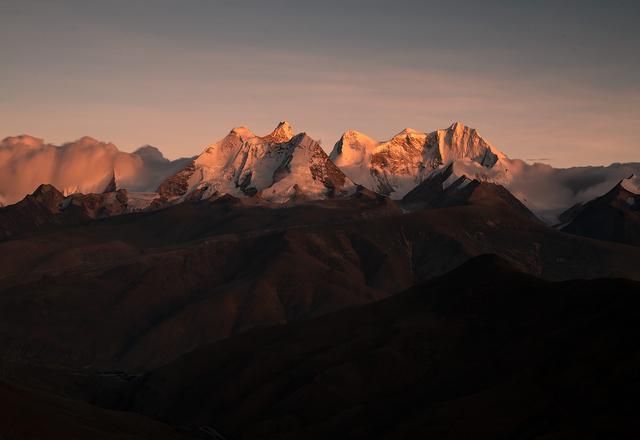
column 444, row 188
column 136, row 291
column 47, row 208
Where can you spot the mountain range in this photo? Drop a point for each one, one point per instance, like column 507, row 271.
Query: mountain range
column 281, row 167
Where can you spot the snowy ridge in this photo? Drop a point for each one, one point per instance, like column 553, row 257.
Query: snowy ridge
column 396, row 166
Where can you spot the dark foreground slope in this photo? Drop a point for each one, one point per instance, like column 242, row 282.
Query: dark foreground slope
column 27, row 414
column 484, row 352
column 136, row 291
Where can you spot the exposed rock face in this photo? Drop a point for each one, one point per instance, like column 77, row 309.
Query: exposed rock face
column 178, row 184
column 48, row 208
column 278, row 167
column 97, row 205
column 48, row 197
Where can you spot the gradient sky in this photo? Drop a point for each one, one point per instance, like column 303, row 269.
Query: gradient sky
column 557, row 81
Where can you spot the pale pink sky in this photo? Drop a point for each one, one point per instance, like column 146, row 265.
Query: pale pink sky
column 540, row 83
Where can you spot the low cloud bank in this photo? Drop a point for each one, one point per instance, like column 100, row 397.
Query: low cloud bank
column 549, row 191
column 86, row 165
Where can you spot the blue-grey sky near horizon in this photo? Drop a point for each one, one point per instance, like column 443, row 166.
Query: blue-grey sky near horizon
column 557, row 81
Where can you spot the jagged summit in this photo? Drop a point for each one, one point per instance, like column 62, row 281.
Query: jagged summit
column 408, row 131
column 282, row 133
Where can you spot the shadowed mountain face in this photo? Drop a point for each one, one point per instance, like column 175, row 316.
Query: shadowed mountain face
column 136, row 291
column 614, row 216
column 446, row 189
column 484, row 352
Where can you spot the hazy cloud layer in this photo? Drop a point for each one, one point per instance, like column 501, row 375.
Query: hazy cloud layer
column 550, row 191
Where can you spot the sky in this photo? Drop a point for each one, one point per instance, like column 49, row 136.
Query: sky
column 551, row 81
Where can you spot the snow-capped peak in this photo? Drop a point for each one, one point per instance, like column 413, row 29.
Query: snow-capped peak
column 632, row 184
column 465, row 142
column 408, row 131
column 282, row 133
column 352, row 147
column 242, row 132
column 354, row 134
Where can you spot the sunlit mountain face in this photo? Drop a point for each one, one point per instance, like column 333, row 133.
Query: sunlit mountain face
column 178, row 262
